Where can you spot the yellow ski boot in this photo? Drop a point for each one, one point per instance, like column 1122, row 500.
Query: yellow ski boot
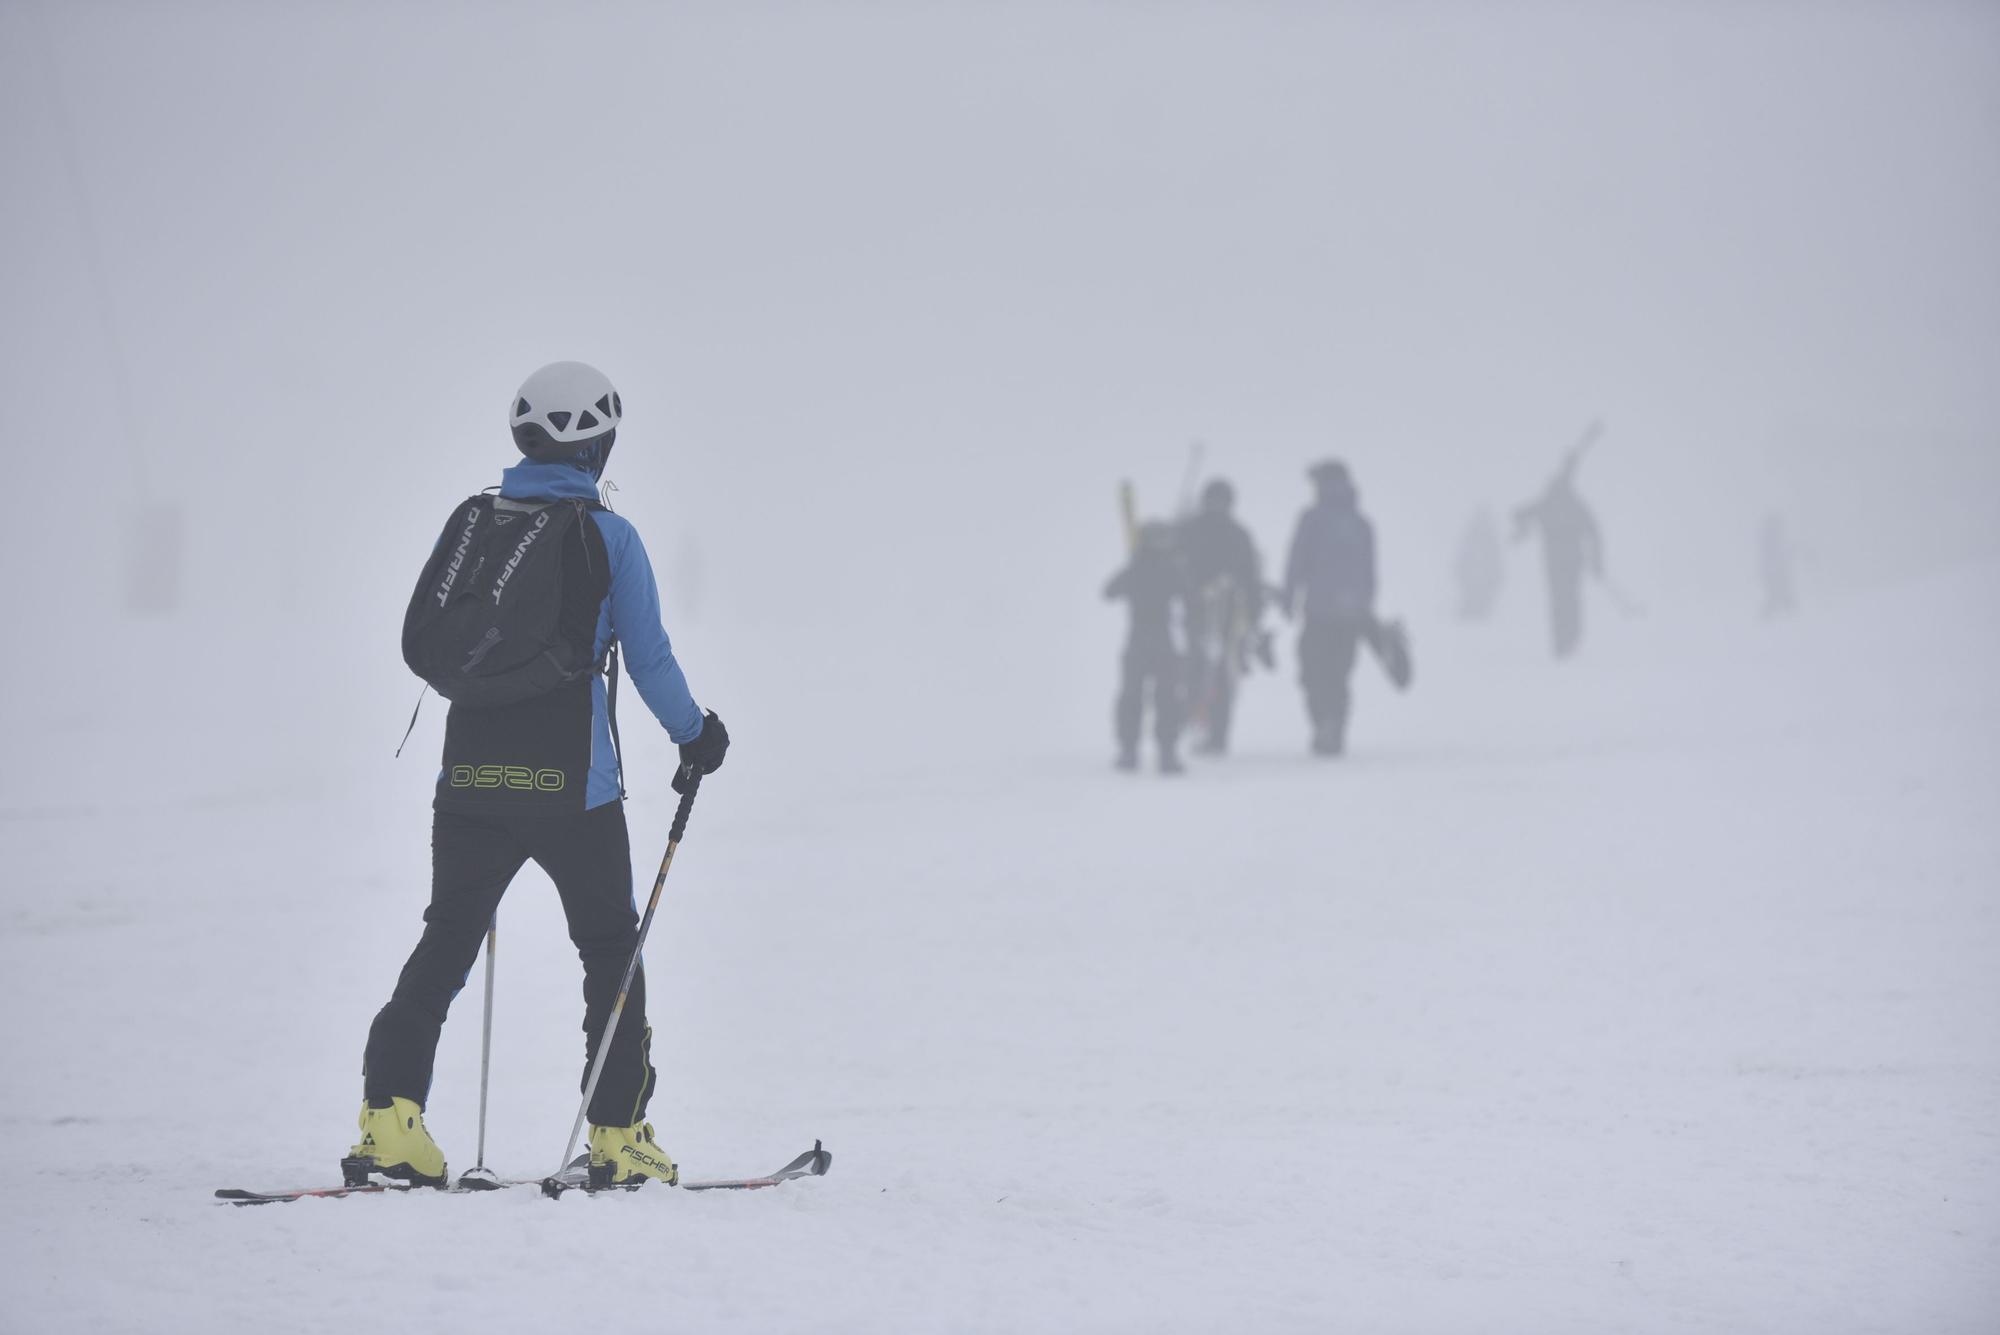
column 394, row 1144
column 625, row 1156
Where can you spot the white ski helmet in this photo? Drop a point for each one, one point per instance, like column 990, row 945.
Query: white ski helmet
column 563, row 410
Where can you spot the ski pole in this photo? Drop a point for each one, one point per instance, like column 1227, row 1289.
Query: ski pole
column 479, row 1176
column 486, row 1036
column 552, row 1184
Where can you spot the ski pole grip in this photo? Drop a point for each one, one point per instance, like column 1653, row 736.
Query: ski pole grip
column 693, row 778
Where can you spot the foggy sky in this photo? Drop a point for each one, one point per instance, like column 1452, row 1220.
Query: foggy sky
column 896, row 294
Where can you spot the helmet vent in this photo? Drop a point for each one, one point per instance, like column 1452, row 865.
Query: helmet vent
column 522, row 409
column 560, row 418
column 604, row 405
column 586, row 421
column 617, row 408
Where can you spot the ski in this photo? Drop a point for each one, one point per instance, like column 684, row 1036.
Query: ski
column 467, row 1184
column 813, row 1163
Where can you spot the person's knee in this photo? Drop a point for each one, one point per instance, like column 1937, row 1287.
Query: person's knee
column 606, row 939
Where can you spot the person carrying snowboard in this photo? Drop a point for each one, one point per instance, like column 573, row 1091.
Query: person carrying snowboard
column 1154, row 584
column 1330, row 580
column 518, row 620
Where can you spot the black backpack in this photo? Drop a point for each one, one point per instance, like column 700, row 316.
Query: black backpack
column 507, row 606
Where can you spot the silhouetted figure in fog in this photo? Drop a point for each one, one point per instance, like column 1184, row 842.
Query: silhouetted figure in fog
column 1154, row 584
column 1227, row 580
column 1481, row 567
column 1572, row 547
column 1330, row 580
column 1774, row 564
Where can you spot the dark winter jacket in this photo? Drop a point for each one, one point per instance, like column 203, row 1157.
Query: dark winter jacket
column 1572, row 544
column 1220, row 551
column 1153, row 583
column 1332, row 564
column 631, row 611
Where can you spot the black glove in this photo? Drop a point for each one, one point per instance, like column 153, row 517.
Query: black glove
column 704, row 754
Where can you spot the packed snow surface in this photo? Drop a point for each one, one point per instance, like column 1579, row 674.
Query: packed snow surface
column 1652, row 992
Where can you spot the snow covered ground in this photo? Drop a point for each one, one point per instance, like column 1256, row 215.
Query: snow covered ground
column 1653, row 993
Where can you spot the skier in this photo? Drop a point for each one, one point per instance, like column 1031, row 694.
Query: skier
column 530, row 767
column 1774, row 565
column 1481, row 567
column 1227, row 577
column 1154, row 583
column 1572, row 546
column 1330, row 581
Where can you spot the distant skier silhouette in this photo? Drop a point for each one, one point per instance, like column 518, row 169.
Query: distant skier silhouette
column 1481, row 567
column 1154, row 585
column 1330, row 582
column 1572, row 547
column 1226, row 579
column 1774, row 565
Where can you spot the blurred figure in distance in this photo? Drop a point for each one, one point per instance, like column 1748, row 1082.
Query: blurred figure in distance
column 1154, row 585
column 1330, row 583
column 1226, row 577
column 1572, row 547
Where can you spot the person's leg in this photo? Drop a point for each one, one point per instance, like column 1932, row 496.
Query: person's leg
column 1565, row 612
column 1222, row 706
column 1343, row 645
column 1312, row 674
column 1168, row 708
column 472, row 860
column 589, row 857
column 1130, row 708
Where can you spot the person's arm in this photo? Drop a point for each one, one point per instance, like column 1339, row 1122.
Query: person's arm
column 1368, row 565
column 1295, row 567
column 635, row 620
column 1250, row 575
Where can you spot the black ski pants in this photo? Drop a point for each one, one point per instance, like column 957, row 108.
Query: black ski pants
column 1565, row 609
column 1327, row 647
column 473, row 858
column 1154, row 666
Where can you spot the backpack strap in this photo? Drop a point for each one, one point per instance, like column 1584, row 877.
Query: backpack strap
column 611, row 713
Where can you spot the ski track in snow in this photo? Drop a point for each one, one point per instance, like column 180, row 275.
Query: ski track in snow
column 1654, row 993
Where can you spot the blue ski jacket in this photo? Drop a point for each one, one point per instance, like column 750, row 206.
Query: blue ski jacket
column 631, row 612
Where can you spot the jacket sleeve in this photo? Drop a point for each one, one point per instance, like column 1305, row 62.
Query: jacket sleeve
column 1368, row 566
column 1295, row 565
column 1250, row 573
column 635, row 620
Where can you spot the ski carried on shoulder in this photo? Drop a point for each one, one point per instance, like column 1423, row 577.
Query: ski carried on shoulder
column 813, row 1163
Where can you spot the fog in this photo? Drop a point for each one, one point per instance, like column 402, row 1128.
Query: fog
column 910, row 288
column 896, row 296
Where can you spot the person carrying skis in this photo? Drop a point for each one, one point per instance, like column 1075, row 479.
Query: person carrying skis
column 1227, row 578
column 1154, row 584
column 1330, row 580
column 1572, row 547
column 525, row 602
